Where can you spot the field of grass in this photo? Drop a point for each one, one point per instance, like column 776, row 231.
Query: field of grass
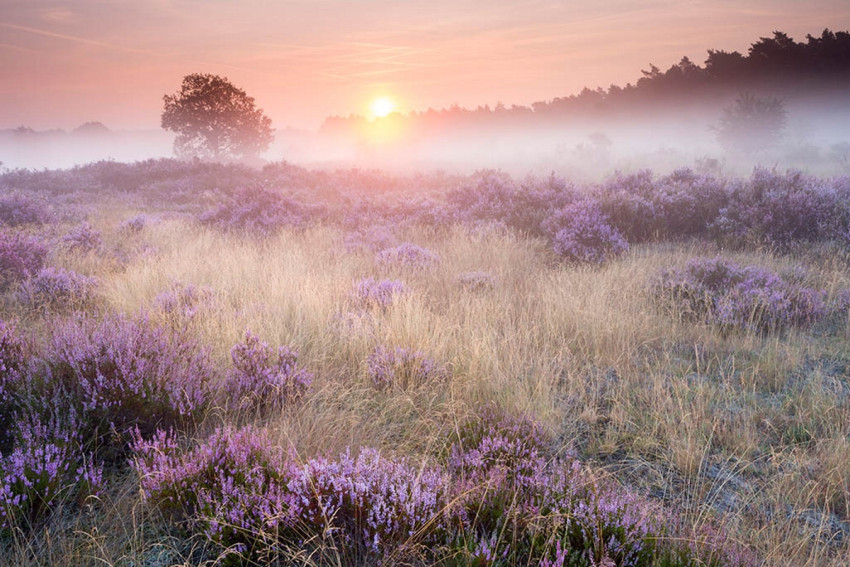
column 735, row 435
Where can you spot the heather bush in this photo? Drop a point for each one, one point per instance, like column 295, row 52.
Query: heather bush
column 720, row 292
column 407, row 255
column 261, row 380
column 255, row 210
column 47, row 466
column 780, row 209
column 373, row 238
column 580, row 232
column 119, row 374
column 403, row 368
column 135, row 224
column 20, row 257
column 370, row 292
column 627, row 204
column 58, row 288
column 84, row 238
column 689, row 203
column 495, row 198
column 13, row 358
column 18, row 209
column 184, row 301
column 239, row 489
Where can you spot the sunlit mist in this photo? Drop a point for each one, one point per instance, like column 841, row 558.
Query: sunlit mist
column 382, row 106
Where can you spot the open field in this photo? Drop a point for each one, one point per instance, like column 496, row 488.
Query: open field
column 650, row 371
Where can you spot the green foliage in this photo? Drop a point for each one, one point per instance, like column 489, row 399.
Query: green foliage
column 216, row 120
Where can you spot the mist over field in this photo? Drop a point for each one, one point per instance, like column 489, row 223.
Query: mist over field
column 605, row 329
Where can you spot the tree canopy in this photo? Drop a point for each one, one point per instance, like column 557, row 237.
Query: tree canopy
column 215, row 120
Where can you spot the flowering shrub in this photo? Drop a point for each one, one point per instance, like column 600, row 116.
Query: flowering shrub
column 261, row 381
column 580, row 233
column 47, row 466
column 373, row 238
column 370, row 292
column 779, row 209
column 401, row 367
column 238, row 488
column 135, row 224
column 123, row 374
column 183, row 300
column 259, row 211
column 19, row 209
column 20, row 257
column 83, row 238
column 13, row 357
column 57, row 287
column 723, row 293
column 407, row 255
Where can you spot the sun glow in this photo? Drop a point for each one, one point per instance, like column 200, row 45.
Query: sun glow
column 382, row 107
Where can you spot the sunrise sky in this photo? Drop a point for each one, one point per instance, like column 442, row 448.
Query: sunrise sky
column 65, row 63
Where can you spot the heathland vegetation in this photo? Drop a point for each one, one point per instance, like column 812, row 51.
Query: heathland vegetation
column 211, row 364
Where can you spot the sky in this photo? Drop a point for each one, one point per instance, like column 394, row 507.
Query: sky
column 66, row 63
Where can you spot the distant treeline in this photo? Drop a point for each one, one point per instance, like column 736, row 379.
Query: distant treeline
column 777, row 66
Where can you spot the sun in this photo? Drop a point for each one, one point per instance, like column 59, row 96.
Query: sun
column 382, row 106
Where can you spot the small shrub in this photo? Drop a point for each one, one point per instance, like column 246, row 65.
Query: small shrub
column 119, row 374
column 20, row 257
column 58, row 288
column 476, row 281
column 580, row 233
column 184, row 300
column 135, row 224
column 402, row 368
column 260, row 380
column 259, row 211
column 370, row 292
column 19, row 209
column 84, row 238
column 407, row 255
column 723, row 293
column 373, row 238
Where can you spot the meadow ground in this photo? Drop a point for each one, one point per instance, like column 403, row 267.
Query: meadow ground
column 742, row 431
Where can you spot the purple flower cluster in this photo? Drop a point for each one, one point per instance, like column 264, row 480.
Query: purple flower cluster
column 498, row 501
column 401, row 367
column 47, row 466
column 20, row 209
column 370, row 292
column 260, row 380
column 580, row 232
column 184, row 300
column 20, row 257
column 783, row 208
column 237, row 487
column 259, row 211
column 407, row 255
column 124, row 373
column 135, row 224
column 58, row 288
column 723, row 293
column 83, row 238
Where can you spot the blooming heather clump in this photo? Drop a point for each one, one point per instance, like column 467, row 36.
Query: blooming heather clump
column 237, row 487
column 407, row 255
column 19, row 209
column 259, row 380
column 47, row 466
column 57, row 287
column 580, row 233
column 370, row 292
column 373, row 238
column 259, row 211
column 723, row 293
column 402, row 368
column 376, row 503
column 83, row 238
column 125, row 374
column 20, row 257
column 183, row 300
column 135, row 224
column 13, row 357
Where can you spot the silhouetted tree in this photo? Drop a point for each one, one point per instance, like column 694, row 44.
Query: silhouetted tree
column 215, row 119
column 752, row 123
